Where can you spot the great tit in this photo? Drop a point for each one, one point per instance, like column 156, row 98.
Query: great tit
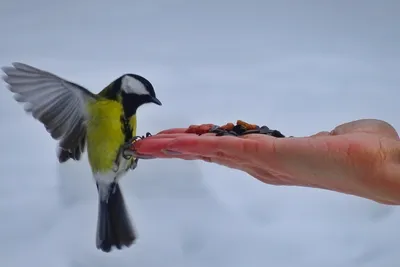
column 103, row 122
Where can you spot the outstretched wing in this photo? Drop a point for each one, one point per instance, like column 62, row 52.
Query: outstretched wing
column 59, row 104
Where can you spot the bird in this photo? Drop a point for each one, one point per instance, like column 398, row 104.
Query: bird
column 103, row 123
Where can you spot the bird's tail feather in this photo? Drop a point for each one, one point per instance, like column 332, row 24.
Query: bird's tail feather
column 114, row 227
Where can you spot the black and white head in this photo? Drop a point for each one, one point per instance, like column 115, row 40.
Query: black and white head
column 135, row 91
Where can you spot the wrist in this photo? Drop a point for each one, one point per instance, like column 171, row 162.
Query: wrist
column 386, row 178
column 360, row 167
column 378, row 178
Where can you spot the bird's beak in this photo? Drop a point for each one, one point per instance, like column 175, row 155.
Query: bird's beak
column 156, row 101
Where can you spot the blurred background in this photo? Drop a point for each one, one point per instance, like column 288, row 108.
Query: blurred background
column 296, row 66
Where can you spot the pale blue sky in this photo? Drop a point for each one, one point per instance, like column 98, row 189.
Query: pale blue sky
column 305, row 66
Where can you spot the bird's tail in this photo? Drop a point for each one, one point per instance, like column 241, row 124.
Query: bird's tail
column 114, row 227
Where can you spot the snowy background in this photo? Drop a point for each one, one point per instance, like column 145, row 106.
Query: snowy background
column 306, row 66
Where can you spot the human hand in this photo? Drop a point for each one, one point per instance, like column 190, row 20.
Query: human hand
column 359, row 158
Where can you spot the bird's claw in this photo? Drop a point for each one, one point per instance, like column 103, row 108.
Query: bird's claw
column 130, row 151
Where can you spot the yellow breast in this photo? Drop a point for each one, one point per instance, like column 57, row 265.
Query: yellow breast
column 104, row 133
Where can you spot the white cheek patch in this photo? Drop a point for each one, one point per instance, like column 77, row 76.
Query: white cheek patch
column 131, row 85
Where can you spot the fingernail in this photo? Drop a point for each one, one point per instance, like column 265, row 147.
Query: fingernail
column 171, row 152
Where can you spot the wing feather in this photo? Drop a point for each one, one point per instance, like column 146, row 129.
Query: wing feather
column 60, row 105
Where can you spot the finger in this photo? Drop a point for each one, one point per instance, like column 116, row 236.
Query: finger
column 207, row 145
column 173, row 131
column 168, row 136
column 156, row 143
column 258, row 148
column 152, row 145
column 172, row 135
column 166, row 155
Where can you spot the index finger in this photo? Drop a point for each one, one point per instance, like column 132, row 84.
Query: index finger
column 191, row 144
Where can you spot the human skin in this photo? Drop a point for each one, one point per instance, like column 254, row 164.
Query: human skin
column 361, row 157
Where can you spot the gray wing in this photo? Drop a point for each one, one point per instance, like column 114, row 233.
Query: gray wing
column 57, row 103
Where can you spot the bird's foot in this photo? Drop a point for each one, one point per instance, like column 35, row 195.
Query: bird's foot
column 241, row 128
column 128, row 152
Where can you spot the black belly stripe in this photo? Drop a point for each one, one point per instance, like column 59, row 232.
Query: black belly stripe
column 126, row 128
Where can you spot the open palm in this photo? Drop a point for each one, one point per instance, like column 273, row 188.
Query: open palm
column 359, row 157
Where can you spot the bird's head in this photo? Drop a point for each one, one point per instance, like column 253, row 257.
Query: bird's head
column 134, row 91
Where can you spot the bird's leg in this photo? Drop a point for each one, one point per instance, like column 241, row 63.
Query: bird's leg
column 113, row 186
column 134, row 164
column 117, row 159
